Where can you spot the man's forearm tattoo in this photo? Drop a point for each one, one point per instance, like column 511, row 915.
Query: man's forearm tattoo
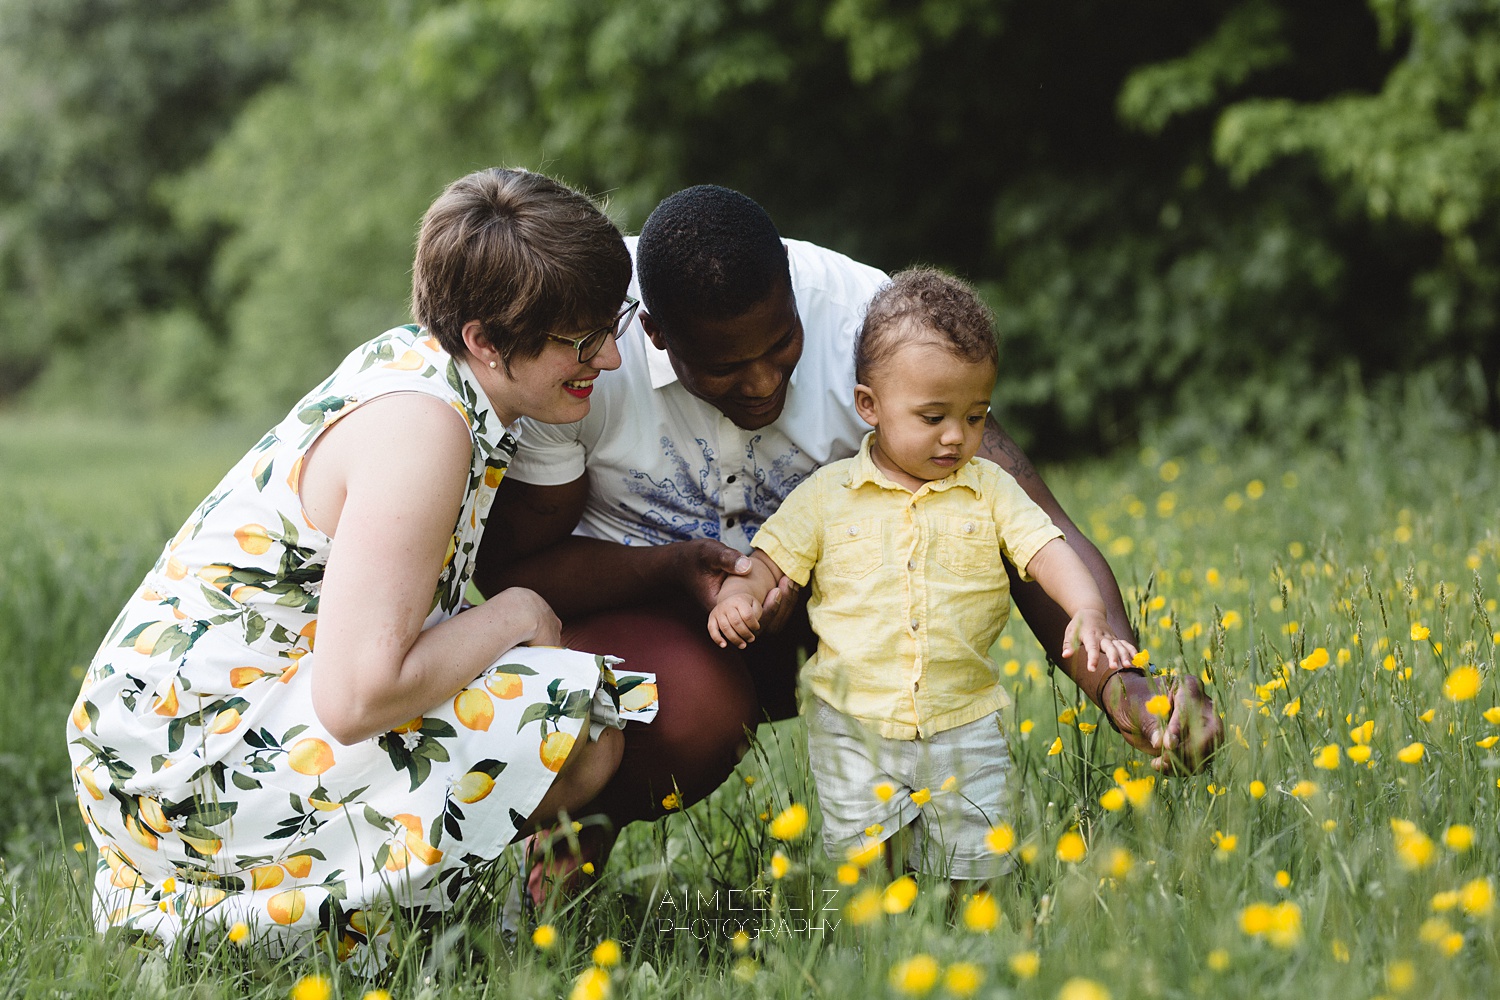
column 997, row 442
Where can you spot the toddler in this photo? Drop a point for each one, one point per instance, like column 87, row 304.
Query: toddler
column 904, row 544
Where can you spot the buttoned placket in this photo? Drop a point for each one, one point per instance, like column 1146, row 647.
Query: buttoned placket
column 735, row 481
column 916, row 597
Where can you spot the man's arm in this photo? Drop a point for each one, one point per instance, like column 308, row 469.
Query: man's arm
column 529, row 538
column 1193, row 731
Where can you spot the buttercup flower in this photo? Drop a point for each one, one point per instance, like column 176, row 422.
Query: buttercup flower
column 1419, row 632
column 1327, row 759
column 313, row 987
column 1000, row 839
column 607, row 953
column 1462, row 684
column 1071, row 848
column 1411, row 753
column 899, row 895
column 789, row 824
column 915, row 976
column 544, row 937
column 1079, row 988
column 591, row 984
column 963, row 979
column 1025, row 964
column 981, row 913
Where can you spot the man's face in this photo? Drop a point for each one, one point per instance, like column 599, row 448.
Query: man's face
column 740, row 366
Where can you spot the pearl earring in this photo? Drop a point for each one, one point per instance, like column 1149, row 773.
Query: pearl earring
column 492, row 364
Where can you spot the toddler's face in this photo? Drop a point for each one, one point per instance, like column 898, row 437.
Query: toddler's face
column 928, row 408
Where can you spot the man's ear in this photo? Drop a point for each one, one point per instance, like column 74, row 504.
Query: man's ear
column 864, row 403
column 658, row 339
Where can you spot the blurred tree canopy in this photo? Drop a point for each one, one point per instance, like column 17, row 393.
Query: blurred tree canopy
column 1248, row 212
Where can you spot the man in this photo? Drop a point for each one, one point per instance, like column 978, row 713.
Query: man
column 736, row 382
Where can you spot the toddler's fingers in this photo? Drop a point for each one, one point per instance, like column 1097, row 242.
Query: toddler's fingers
column 713, row 631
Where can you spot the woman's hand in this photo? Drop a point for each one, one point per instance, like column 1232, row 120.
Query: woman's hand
column 526, row 609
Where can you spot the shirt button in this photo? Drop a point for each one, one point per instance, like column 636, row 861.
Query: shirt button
column 730, row 479
column 914, row 624
column 853, row 529
column 911, row 564
column 968, row 527
column 729, row 522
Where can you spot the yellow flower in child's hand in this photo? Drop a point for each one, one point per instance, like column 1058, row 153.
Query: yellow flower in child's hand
column 790, row 823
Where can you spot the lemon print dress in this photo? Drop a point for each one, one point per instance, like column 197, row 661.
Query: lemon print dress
column 211, row 790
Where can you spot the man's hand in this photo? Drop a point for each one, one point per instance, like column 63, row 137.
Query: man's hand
column 1182, row 743
column 702, row 565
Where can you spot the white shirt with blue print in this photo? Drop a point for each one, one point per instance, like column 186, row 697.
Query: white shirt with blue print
column 665, row 466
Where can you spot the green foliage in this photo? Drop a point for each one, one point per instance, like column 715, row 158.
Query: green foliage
column 1250, row 208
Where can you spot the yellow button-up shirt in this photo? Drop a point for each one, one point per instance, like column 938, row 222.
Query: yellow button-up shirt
column 908, row 589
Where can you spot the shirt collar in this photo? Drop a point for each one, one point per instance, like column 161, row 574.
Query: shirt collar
column 866, row 471
column 498, row 441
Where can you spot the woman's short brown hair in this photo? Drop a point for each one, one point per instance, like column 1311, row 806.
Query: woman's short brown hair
column 522, row 254
column 924, row 300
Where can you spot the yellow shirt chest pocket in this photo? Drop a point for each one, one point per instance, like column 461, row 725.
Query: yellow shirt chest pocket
column 967, row 546
column 852, row 549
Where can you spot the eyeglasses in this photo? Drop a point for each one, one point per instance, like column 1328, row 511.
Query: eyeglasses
column 592, row 342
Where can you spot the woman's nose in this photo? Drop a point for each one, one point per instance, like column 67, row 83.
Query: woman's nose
column 608, row 358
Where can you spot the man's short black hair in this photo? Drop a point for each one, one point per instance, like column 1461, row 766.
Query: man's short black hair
column 707, row 253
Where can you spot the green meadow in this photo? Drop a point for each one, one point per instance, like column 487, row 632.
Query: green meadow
column 1339, row 604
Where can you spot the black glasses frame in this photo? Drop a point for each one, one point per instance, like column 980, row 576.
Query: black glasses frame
column 592, row 343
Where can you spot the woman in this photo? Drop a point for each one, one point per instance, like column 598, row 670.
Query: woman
column 288, row 726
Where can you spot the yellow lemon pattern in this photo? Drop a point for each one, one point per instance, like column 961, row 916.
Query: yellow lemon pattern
column 203, row 773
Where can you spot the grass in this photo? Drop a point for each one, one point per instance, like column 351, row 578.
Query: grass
column 1366, row 879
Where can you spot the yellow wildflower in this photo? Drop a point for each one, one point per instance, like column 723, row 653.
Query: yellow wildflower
column 1304, row 789
column 1160, row 706
column 607, row 953
column 921, row 797
column 670, row 802
column 950, row 783
column 1363, row 733
column 1113, row 800
column 1487, row 742
column 1359, row 753
column 884, row 790
column 1283, row 878
column 780, row 865
column 1225, row 842
column 899, row 895
column 1419, row 632
column 1217, row 960
column 1026, row 726
column 1257, row 789
column 915, row 976
column 1492, row 715
column 1071, row 848
column 740, row 942
column 1458, row 837
column 1292, row 708
column 1000, row 839
column 1413, row 847
column 1025, row 964
column 1068, row 716
column 847, row 874
column 1120, row 863
column 867, row 855
column 313, row 987
column 790, row 823
column 981, row 913
column 864, row 907
column 1462, row 684
column 1400, row 976
column 1230, row 619
column 1079, row 988
column 1477, row 897
column 1055, row 748
column 1327, row 759
column 544, row 937
column 1141, row 659
column 1316, row 660
column 1411, row 753
column 591, row 984
column 963, row 979
column 1138, row 790
column 1446, row 900
column 239, row 932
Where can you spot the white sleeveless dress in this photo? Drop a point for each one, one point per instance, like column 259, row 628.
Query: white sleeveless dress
column 211, row 790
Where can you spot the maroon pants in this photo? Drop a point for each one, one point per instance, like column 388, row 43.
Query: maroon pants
column 708, row 699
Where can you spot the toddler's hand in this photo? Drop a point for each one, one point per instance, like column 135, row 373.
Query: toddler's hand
column 735, row 619
column 1090, row 629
